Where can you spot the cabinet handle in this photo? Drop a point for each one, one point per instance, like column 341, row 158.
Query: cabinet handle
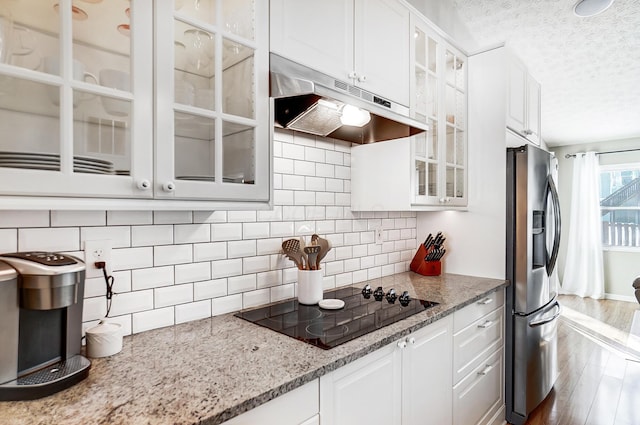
column 486, row 301
column 445, row 200
column 143, row 184
column 528, row 132
column 486, row 324
column 353, row 75
column 169, row 187
column 362, row 78
column 402, row 344
column 412, row 340
column 486, row 370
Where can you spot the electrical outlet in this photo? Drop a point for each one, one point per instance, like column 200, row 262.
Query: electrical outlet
column 379, row 235
column 99, row 250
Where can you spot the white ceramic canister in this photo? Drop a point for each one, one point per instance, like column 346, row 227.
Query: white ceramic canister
column 104, row 339
column 309, row 287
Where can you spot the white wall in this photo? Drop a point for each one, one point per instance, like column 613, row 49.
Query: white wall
column 620, row 267
column 174, row 267
column 476, row 238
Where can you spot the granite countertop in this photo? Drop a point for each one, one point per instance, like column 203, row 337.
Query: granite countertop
column 211, row 370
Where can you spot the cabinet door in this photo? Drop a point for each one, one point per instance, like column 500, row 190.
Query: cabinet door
column 366, row 391
column 516, row 90
column 75, row 95
column 532, row 130
column 316, row 34
column 455, row 125
column 213, row 138
column 426, row 375
column 382, row 48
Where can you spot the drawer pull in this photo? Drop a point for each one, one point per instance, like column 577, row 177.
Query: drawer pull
column 486, row 370
column 486, row 324
column 486, row 301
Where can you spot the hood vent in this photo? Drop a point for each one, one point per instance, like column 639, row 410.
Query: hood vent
column 311, row 102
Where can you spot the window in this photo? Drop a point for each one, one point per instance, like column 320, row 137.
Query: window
column 620, row 205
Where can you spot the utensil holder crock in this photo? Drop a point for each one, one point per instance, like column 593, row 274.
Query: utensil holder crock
column 309, row 286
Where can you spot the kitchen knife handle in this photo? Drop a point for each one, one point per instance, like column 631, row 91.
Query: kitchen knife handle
column 486, row 301
column 486, row 370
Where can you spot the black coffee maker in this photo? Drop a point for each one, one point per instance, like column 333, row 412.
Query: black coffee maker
column 41, row 299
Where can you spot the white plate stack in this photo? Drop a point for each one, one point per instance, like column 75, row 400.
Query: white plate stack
column 51, row 162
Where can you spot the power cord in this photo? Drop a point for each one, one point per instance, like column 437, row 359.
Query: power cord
column 109, row 281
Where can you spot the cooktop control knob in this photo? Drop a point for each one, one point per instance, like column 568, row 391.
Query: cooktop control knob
column 405, row 299
column 391, row 296
column 366, row 291
column 378, row 294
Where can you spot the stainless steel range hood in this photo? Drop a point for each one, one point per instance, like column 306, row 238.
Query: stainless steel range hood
column 309, row 101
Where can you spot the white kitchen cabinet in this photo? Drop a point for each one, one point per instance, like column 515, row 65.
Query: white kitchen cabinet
column 478, row 361
column 404, row 383
column 101, row 112
column 523, row 101
column 427, row 171
column 297, row 407
column 363, row 42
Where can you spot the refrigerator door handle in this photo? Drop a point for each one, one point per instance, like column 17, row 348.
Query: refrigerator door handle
column 546, row 320
column 551, row 262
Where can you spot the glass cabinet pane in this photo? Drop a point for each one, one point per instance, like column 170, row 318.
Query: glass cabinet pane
column 239, row 17
column 433, row 139
column 420, row 145
column 432, row 52
column 460, row 183
column 237, row 77
column 420, row 178
column 461, row 79
column 451, row 144
column 432, row 96
column 29, row 32
column 432, row 183
column 460, row 145
column 195, row 148
column 238, row 153
column 450, row 182
column 420, row 47
column 201, row 10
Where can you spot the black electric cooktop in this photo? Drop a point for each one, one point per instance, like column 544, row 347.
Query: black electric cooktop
column 365, row 310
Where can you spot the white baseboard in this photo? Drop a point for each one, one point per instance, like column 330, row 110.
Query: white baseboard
column 616, row 297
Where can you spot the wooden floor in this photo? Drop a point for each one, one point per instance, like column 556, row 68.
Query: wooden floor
column 599, row 376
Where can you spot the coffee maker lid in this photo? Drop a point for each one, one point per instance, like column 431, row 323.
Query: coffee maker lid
column 43, row 263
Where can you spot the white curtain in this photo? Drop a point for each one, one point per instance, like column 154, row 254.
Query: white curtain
column 583, row 271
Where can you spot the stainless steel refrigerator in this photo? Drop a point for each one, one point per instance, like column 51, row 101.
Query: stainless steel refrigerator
column 532, row 310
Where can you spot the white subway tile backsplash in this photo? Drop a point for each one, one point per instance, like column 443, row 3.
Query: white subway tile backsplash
column 283, row 197
column 172, row 295
column 304, row 139
column 209, row 251
column 209, row 216
column 282, row 292
column 151, row 235
column 293, row 213
column 283, row 136
column 334, row 185
column 334, row 213
column 352, row 238
column 268, row 246
column 19, row 218
column 325, row 198
column 292, row 151
column 290, row 274
column 172, row 254
column 153, row 319
column 242, row 283
column 94, row 309
column 172, row 217
column 342, row 172
column 78, row 218
column 268, row 279
column 255, row 230
column 367, row 262
column 344, row 279
column 292, row 182
column 129, row 218
column 333, row 157
column 224, row 305
column 360, row 251
column 226, row 232
column 192, row 272
column 325, row 226
column 343, row 199
column 344, row 252
column 241, row 216
column 120, row 236
column 152, row 278
column 374, row 273
column 8, row 240
column 374, row 249
column 388, row 270
column 314, row 154
column 333, row 267
column 239, row 249
column 282, row 229
column 226, row 268
column 283, row 166
column 49, row 239
column 304, row 168
column 132, row 302
column 304, row 198
column 209, row 289
column 381, row 259
column 315, row 213
column 343, row 226
column 367, row 237
column 315, row 184
column 256, row 298
column 131, row 258
column 255, row 264
column 360, row 276
column 192, row 233
column 193, row 311
column 351, row 264
column 277, row 181
column 270, row 215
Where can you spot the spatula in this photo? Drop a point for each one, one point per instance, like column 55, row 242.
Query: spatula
column 325, row 247
column 312, row 254
column 291, row 248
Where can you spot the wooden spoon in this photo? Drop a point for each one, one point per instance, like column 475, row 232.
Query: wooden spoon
column 325, row 247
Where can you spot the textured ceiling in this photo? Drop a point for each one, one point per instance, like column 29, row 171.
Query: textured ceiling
column 589, row 68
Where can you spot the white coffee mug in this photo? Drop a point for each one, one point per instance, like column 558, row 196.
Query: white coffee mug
column 14, row 40
column 51, row 65
column 120, row 80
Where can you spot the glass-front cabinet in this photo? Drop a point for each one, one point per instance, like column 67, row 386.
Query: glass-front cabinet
column 213, row 55
column 439, row 99
column 133, row 100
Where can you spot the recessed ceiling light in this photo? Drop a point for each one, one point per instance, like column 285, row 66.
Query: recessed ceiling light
column 587, row 8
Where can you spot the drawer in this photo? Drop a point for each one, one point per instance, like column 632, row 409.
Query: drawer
column 475, row 342
column 478, row 397
column 472, row 312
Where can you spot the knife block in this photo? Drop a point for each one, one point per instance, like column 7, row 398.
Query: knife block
column 425, row 268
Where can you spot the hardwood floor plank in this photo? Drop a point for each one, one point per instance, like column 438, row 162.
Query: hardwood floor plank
column 605, row 401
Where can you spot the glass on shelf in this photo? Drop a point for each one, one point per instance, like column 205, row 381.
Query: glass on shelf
column 460, row 145
column 238, row 96
column 450, row 104
column 238, row 17
column 460, row 109
column 433, row 139
column 420, row 47
column 421, row 178
column 421, row 91
column 194, row 76
column 460, row 74
column 432, row 179
column 450, row 67
column 432, row 96
column 238, row 153
column 24, row 35
column 450, row 182
column 451, row 145
column 195, row 147
column 201, row 10
column 433, row 48
column 459, row 183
